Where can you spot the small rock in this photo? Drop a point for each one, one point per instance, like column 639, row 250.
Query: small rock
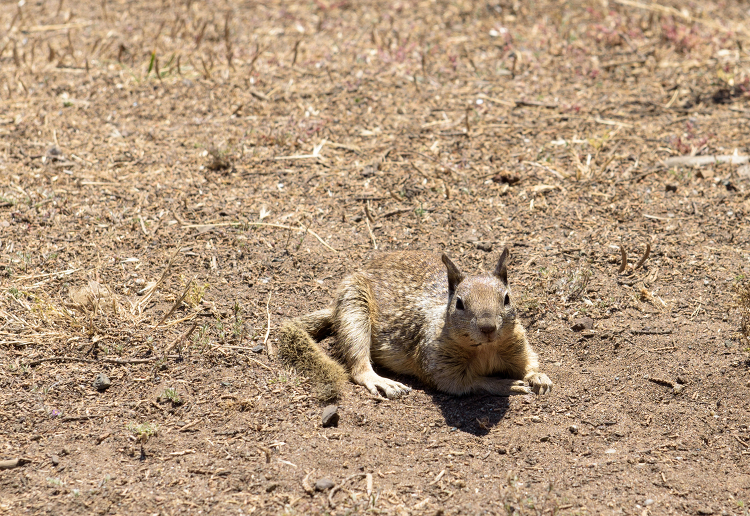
column 584, row 323
column 704, row 510
column 502, row 451
column 677, row 388
column 484, row 246
column 587, row 334
column 670, row 188
column 682, row 380
column 544, row 439
column 506, row 178
column 257, row 349
column 648, row 502
column 102, row 382
column 330, row 416
column 323, row 484
column 573, row 429
column 536, row 419
column 55, row 460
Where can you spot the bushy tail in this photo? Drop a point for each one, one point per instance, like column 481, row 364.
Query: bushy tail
column 298, row 347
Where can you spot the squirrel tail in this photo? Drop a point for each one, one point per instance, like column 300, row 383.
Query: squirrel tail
column 298, row 347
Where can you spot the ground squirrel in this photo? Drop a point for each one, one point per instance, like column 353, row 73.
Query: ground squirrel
column 417, row 314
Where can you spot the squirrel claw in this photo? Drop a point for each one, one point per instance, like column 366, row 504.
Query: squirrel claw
column 521, row 389
column 377, row 384
column 540, row 383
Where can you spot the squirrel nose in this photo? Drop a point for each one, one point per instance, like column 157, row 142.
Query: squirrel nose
column 487, row 325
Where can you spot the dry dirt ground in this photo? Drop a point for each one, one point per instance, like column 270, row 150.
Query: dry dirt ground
column 180, row 177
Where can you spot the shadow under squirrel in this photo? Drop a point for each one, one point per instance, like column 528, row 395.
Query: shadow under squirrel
column 417, row 314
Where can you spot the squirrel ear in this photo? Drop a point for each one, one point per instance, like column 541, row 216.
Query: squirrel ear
column 501, row 270
column 455, row 276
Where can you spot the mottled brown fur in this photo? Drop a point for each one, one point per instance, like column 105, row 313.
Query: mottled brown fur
column 418, row 314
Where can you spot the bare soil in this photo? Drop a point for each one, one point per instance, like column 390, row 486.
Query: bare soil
column 178, row 178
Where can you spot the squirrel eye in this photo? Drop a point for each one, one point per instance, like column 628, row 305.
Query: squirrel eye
column 459, row 303
column 506, row 300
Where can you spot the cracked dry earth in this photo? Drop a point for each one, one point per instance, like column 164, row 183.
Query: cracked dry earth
column 179, row 178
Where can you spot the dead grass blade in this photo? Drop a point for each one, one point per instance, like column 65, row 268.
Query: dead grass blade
column 149, row 294
column 182, row 338
column 175, row 306
column 644, row 258
column 269, row 349
column 624, row 263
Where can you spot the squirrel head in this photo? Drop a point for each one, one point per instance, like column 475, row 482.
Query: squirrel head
column 479, row 307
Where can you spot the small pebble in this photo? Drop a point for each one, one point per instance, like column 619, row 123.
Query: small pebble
column 55, row 460
column 536, row 419
column 677, row 388
column 257, row 349
column 544, row 439
column 102, row 382
column 573, row 429
column 323, row 484
column 330, row 416
column 648, row 502
column 584, row 323
column 502, row 451
column 484, row 246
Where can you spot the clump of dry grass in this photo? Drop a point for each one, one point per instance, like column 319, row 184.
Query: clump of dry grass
column 92, row 298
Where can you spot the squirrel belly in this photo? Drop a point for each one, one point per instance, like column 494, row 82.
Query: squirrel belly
column 417, row 314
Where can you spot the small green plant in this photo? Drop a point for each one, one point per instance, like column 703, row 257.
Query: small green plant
column 194, row 297
column 13, row 291
column 144, row 430
column 54, row 482
column 220, row 332
column 201, row 337
column 172, row 395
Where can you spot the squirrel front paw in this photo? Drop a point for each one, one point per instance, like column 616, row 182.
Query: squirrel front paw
column 539, row 382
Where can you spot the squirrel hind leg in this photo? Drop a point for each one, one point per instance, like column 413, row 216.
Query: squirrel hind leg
column 355, row 315
column 298, row 349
